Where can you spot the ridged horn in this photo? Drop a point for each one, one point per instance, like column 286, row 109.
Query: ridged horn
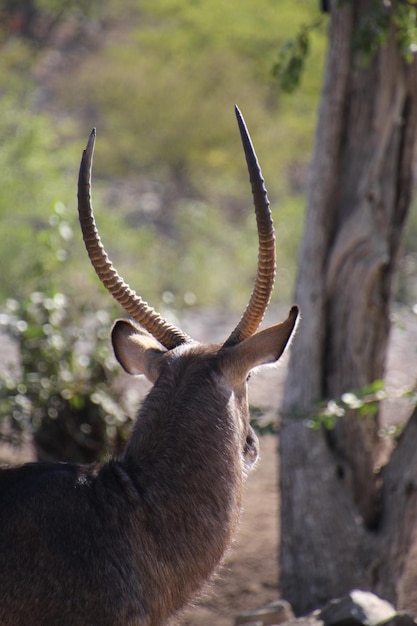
column 168, row 335
column 265, row 276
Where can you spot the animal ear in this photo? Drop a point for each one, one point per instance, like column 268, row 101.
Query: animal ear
column 265, row 346
column 136, row 350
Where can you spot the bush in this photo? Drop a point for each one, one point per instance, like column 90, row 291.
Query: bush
column 59, row 388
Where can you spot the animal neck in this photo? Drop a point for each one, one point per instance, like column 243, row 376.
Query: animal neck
column 187, row 467
column 185, row 436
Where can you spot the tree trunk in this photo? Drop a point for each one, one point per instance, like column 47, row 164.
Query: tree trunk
column 336, row 514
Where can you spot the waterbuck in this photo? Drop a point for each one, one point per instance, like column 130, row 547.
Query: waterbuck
column 130, row 541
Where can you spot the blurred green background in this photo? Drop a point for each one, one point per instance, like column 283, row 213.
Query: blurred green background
column 158, row 79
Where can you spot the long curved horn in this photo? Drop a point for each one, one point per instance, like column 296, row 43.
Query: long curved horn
column 265, row 276
column 168, row 335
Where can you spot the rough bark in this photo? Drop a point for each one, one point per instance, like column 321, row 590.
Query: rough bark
column 399, row 510
column 334, row 520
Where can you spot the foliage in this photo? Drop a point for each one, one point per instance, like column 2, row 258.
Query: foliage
column 375, row 26
column 166, row 130
column 259, row 424
column 31, row 182
column 59, row 387
column 372, row 32
column 200, row 59
column 64, row 371
column 292, row 58
column 361, row 403
column 174, row 79
column 405, row 18
column 37, row 21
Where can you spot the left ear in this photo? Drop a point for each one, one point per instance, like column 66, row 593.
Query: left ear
column 265, row 346
column 136, row 350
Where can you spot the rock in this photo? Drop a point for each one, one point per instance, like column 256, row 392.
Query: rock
column 358, row 607
column 272, row 614
column 309, row 620
column 400, row 619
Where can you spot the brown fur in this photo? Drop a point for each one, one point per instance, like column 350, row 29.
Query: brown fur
column 131, row 541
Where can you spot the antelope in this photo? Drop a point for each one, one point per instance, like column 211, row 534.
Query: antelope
column 129, row 541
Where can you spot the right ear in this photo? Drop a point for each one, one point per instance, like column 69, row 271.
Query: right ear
column 136, row 350
column 265, row 346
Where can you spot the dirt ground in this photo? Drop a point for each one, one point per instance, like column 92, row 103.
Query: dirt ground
column 249, row 577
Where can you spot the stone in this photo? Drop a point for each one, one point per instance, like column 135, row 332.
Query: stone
column 358, row 607
column 309, row 620
column 400, row 619
column 272, row 614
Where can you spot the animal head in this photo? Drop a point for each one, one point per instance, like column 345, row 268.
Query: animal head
column 150, row 345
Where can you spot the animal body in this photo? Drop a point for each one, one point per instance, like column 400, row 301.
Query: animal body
column 130, row 541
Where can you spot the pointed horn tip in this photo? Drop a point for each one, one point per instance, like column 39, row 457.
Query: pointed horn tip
column 84, row 176
column 244, row 133
column 294, row 314
column 91, row 143
column 239, row 116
